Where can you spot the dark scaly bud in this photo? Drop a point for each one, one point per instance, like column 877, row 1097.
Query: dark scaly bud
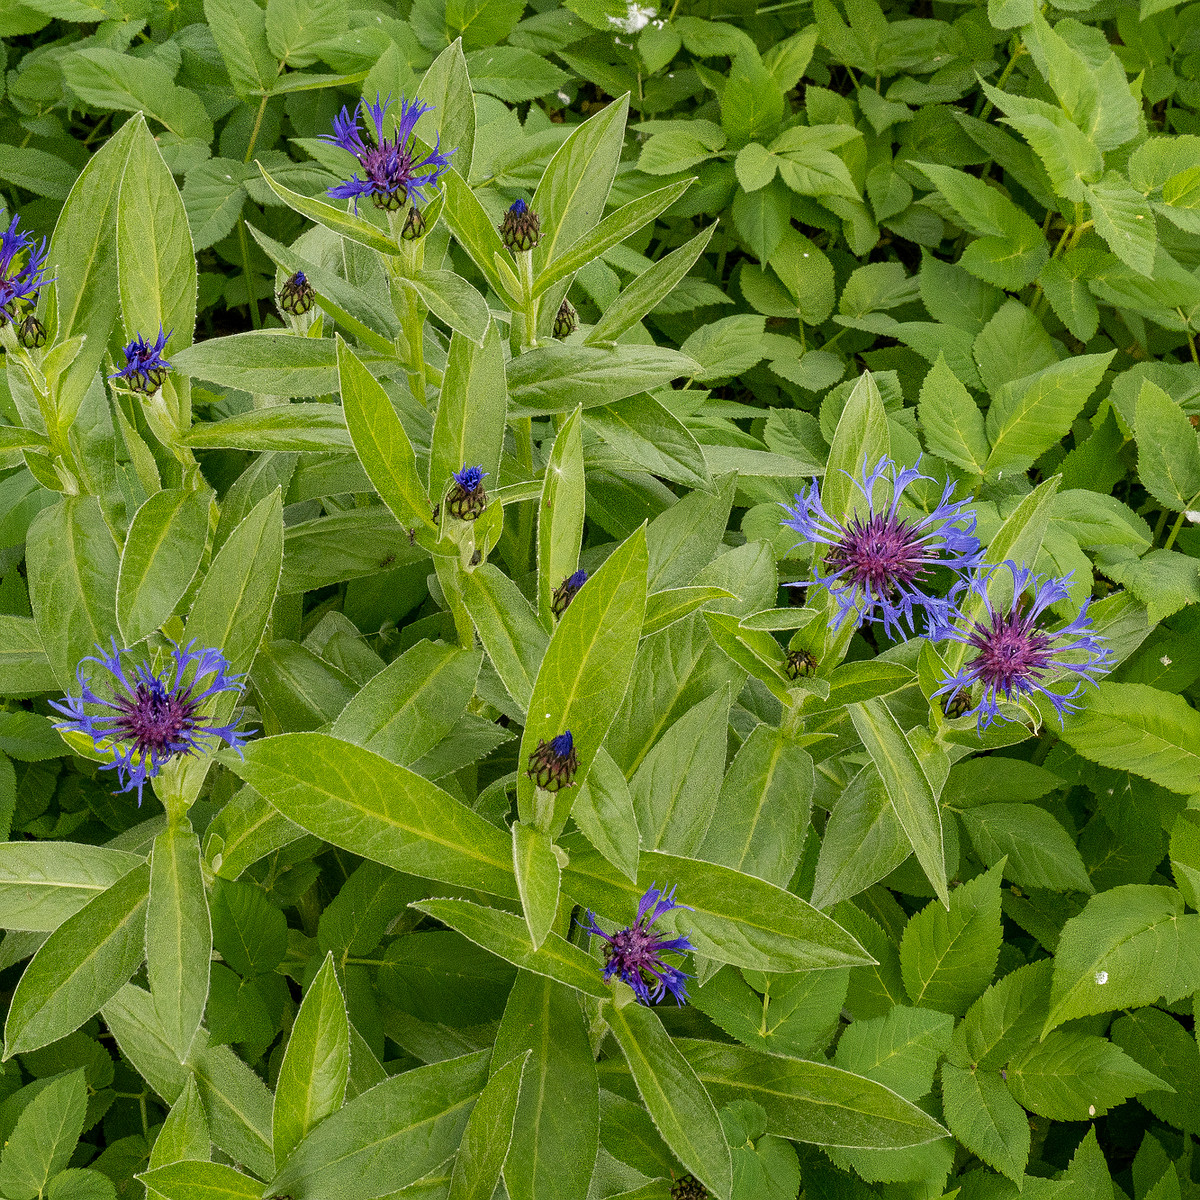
column 566, row 591
column 520, row 229
column 800, row 663
column 145, row 369
column 957, row 705
column 466, row 498
column 566, row 320
column 554, row 763
column 297, row 297
column 688, row 1187
column 31, row 333
column 414, row 225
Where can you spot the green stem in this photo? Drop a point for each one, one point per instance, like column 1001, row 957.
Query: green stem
column 523, row 433
column 1175, row 530
column 251, row 299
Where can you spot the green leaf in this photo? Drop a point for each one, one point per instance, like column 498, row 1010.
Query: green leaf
column 43, row 1140
column 810, row 1102
column 1157, row 1042
column 733, row 917
column 653, row 437
column 673, row 1094
column 1168, row 450
column 951, row 420
column 537, row 869
column 560, row 515
column 184, row 1136
column 72, row 563
column 557, row 1126
column 81, row 965
column 585, row 671
column 156, row 263
column 316, row 1064
column 238, row 1106
column 453, row 300
column 200, row 1181
column 240, row 34
column 296, row 28
column 508, row 938
column 413, row 703
column 1075, row 1076
column 1141, row 729
column 907, row 785
column 278, row 428
column 1129, row 947
column 1030, row 415
column 948, row 955
column 380, row 441
column 446, row 87
column 900, row 1050
column 1125, row 220
column 752, row 103
column 38, row 172
column 511, row 634
column 488, row 1134
column 161, row 556
column 986, row 1119
column 44, row 883
column 603, row 811
column 1005, row 1020
column 861, row 438
column 1038, row 851
column 389, row 1136
column 473, row 229
column 178, row 937
column 369, row 806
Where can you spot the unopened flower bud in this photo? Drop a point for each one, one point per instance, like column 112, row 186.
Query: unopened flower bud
column 566, row 320
column 800, row 663
column 31, row 333
column 414, row 225
column 565, row 592
column 520, row 229
column 957, row 705
column 554, row 763
column 466, row 499
column 688, row 1187
column 297, row 297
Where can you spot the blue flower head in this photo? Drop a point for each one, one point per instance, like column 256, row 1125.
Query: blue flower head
column 21, row 270
column 469, row 478
column 1015, row 656
column 635, row 954
column 554, row 763
column 145, row 369
column 466, row 499
column 392, row 178
column 147, row 719
column 518, row 208
column 878, row 566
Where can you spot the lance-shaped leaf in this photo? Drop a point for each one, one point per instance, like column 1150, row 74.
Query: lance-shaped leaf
column 488, row 1133
column 44, row 883
column 342, row 222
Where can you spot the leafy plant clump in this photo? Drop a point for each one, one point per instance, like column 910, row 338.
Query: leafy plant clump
column 598, row 602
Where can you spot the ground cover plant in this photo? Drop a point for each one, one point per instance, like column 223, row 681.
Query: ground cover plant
column 598, row 602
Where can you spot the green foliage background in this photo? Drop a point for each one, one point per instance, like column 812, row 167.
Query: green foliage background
column 929, row 963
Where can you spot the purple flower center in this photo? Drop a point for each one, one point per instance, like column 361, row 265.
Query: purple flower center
column 880, row 554
column 154, row 720
column 1011, row 650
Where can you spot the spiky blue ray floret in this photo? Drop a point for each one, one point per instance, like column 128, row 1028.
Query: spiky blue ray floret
column 22, row 267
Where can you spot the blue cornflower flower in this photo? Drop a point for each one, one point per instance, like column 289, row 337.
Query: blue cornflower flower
column 879, row 564
column 566, row 592
column 554, row 763
column 392, row 178
column 635, row 953
column 145, row 369
column 1015, row 657
column 19, row 284
column 157, row 716
column 467, row 499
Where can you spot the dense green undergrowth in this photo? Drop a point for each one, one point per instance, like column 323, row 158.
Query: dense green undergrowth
column 928, row 955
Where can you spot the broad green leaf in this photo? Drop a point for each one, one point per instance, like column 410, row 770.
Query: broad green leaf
column 1168, row 450
column 161, row 556
column 380, row 441
column 861, row 440
column 446, row 87
column 480, row 1156
column 44, row 883
column 201, row 1181
column 733, row 917
column 515, row 640
column 810, row 1102
column 1131, row 946
column 278, row 428
column 603, row 811
column 557, row 1126
column 538, row 873
column 413, row 703
column 1005, row 1020
column 1072, row 1075
column 81, row 965
column 73, row 564
column 1159, row 1043
column 43, row 1140
column 178, row 936
column 585, row 671
column 682, row 1111
column 1038, row 851
column 948, row 955
column 240, row 34
column 135, row 1027
column 184, row 1136
column 238, row 1106
column 359, row 801
column 453, row 300
column 296, row 28
column 951, row 420
column 1125, row 220
column 653, row 437
column 156, row 263
column 986, row 1119
column 908, row 787
column 665, row 607
column 1137, row 728
column 338, row 220
column 560, row 513
column 389, row 1136
column 316, row 1064
column 507, row 937
column 900, row 1049
column 473, row 229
